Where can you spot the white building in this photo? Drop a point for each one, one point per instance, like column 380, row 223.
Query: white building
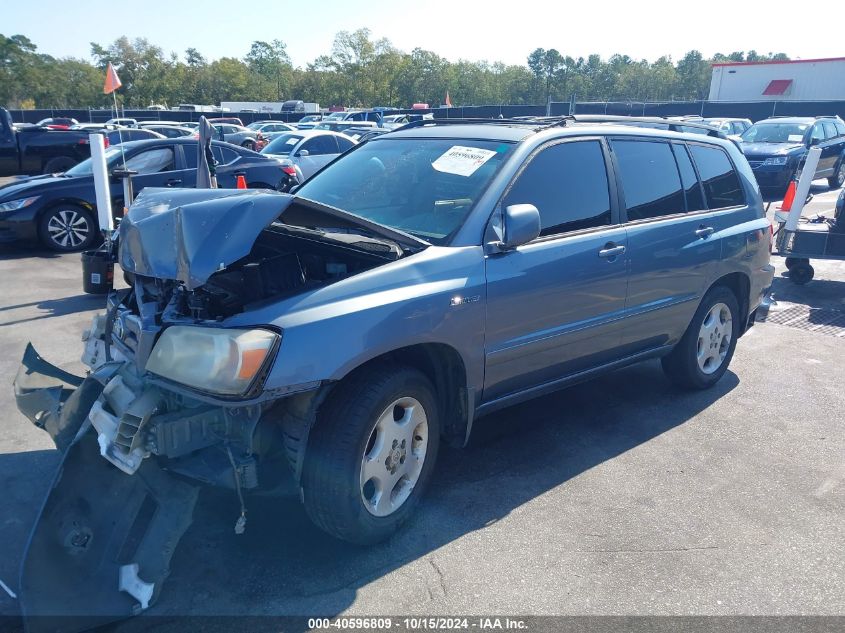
column 795, row 80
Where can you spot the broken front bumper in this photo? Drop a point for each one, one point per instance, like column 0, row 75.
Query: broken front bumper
column 101, row 547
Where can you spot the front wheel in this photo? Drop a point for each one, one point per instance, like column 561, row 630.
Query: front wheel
column 67, row 228
column 371, row 454
column 703, row 354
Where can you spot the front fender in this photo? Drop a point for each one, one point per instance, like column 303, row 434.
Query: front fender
column 436, row 296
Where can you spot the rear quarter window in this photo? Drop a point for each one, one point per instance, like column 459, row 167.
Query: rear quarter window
column 722, row 187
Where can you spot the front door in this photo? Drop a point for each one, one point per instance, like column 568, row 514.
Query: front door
column 553, row 305
column 321, row 150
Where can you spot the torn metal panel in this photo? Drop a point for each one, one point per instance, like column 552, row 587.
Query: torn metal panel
column 188, row 234
column 97, row 524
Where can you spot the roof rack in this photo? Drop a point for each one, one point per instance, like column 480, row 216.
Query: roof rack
column 541, row 122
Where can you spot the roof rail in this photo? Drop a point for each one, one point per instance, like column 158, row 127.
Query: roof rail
column 541, row 122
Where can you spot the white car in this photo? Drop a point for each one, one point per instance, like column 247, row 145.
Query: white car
column 123, row 122
column 306, row 151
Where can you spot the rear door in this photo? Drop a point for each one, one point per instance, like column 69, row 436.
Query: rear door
column 554, row 305
column 672, row 237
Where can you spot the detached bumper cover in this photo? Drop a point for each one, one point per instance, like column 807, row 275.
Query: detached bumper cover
column 101, row 547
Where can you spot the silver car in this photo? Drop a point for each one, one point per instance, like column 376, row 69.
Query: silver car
column 237, row 135
column 306, row 151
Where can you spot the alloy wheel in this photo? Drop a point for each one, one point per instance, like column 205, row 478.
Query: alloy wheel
column 714, row 338
column 68, row 228
column 394, row 456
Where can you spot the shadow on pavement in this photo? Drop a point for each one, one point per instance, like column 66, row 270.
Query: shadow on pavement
column 819, row 293
column 19, row 250
column 56, row 307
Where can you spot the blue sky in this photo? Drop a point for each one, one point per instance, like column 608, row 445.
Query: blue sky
column 494, row 30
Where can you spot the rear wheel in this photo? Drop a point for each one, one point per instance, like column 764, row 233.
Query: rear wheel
column 59, row 164
column 703, row 354
column 371, row 454
column 838, row 178
column 67, row 227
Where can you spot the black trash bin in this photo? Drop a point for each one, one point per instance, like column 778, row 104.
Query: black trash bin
column 97, row 272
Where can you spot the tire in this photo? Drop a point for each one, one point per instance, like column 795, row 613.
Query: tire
column 53, row 224
column 838, row 178
column 702, row 355
column 248, row 145
column 791, row 262
column 801, row 273
column 59, row 164
column 360, row 483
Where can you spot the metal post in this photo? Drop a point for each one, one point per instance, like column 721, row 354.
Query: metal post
column 101, row 182
column 807, row 174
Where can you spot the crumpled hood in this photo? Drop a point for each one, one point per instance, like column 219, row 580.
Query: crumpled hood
column 770, row 149
column 189, row 234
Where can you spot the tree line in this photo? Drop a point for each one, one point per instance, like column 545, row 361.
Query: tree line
column 358, row 71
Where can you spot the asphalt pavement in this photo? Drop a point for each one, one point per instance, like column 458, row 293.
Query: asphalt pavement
column 621, row 496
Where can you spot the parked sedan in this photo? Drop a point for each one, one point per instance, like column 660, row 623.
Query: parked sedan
column 60, row 209
column 170, row 131
column 305, row 151
column 270, row 127
column 237, row 135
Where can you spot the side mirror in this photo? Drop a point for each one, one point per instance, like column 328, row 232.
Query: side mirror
column 303, row 153
column 521, row 225
column 815, row 141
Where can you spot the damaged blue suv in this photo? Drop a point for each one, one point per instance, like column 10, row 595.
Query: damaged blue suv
column 333, row 338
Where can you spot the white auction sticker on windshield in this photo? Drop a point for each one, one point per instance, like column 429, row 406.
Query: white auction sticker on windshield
column 795, row 138
column 462, row 161
column 292, row 141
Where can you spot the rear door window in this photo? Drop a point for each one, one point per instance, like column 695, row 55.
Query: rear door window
column 689, row 179
column 568, row 184
column 649, row 177
column 152, row 161
column 840, row 127
column 829, row 130
column 721, row 182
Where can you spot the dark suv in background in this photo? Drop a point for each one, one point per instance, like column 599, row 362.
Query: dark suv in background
column 776, row 149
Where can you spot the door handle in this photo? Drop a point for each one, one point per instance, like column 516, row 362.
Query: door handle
column 704, row 231
column 173, row 181
column 611, row 250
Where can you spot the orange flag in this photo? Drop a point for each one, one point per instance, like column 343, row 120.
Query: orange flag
column 448, row 100
column 112, row 80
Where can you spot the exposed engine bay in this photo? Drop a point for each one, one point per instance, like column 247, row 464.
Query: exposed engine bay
column 283, row 262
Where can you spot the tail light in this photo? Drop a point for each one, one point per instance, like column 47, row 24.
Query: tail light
column 290, row 170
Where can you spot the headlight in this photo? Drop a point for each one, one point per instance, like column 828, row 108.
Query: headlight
column 212, row 359
column 14, row 205
column 776, row 160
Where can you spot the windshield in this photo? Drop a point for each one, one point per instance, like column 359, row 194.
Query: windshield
column 775, row 133
column 256, row 126
column 309, row 119
column 84, row 168
column 282, row 144
column 425, row 187
column 335, row 116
